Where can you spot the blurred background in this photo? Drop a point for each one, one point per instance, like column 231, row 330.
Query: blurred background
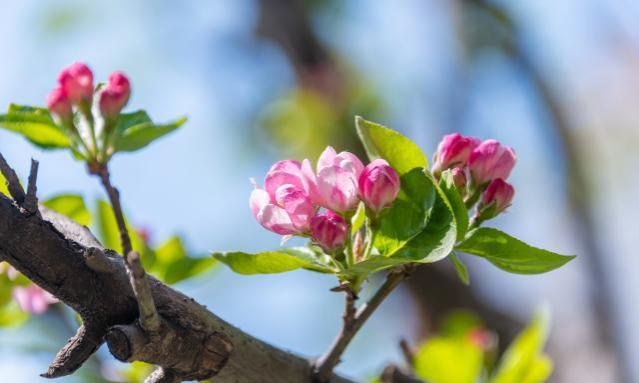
column 266, row 79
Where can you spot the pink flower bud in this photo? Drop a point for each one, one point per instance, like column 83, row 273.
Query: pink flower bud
column 499, row 192
column 329, row 230
column 33, row 299
column 336, row 180
column 459, row 178
column 115, row 96
column 59, row 104
column 378, row 185
column 77, row 82
column 489, row 161
column 453, row 150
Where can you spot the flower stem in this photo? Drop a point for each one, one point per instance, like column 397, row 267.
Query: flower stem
column 353, row 322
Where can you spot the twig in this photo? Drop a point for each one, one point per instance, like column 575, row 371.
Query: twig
column 149, row 318
column 324, row 365
column 31, row 199
column 13, row 183
column 408, row 352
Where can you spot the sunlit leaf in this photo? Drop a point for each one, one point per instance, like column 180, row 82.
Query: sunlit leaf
column 509, row 253
column 358, row 219
column 460, row 212
column 523, row 361
column 36, row 125
column 271, row 262
column 449, row 360
column 381, row 142
column 140, row 135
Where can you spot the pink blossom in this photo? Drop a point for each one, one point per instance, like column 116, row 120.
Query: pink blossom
column 335, row 184
column 378, row 185
column 491, row 160
column 59, row 104
column 77, row 82
column 499, row 192
column 33, row 298
column 329, row 230
column 115, row 96
column 284, row 206
column 453, row 150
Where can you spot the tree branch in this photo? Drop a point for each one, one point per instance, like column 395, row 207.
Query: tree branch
column 354, row 321
column 31, row 200
column 52, row 252
column 149, row 319
column 13, row 182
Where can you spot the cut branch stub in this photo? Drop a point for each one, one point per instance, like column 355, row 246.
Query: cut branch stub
column 77, row 350
column 189, row 355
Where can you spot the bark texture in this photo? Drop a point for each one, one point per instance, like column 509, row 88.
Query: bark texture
column 192, row 343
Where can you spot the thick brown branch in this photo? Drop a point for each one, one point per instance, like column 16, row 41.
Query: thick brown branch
column 325, row 364
column 53, row 254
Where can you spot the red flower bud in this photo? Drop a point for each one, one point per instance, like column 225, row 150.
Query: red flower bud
column 459, row 178
column 59, row 104
column 329, row 230
column 115, row 96
column 491, row 160
column 378, row 185
column 499, row 192
column 453, row 150
column 77, row 82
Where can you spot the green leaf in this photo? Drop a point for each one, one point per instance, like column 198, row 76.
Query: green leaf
column 523, row 361
column 408, row 215
column 373, row 264
column 107, row 227
column 449, row 360
column 271, row 262
column 380, row 142
column 172, row 264
column 460, row 268
column 509, row 253
column 138, row 136
column 72, row 206
column 129, row 120
column 358, row 219
column 36, row 125
column 447, row 185
column 437, row 240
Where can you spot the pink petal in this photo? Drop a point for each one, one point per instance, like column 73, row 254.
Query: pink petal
column 259, row 198
column 326, row 159
column 276, row 219
column 337, row 188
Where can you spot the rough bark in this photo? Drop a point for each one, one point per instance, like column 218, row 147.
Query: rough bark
column 65, row 259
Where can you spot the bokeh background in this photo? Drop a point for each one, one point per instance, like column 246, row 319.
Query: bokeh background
column 265, row 79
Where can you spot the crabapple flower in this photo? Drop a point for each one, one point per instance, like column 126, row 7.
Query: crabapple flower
column 33, row 299
column 335, row 183
column 284, row 205
column 77, row 82
column 491, row 160
column 59, row 104
column 453, row 150
column 459, row 178
column 500, row 193
column 115, row 96
column 329, row 230
column 378, row 185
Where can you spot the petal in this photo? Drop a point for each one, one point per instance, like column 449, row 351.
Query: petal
column 337, row 188
column 283, row 172
column 259, row 198
column 310, row 182
column 348, row 161
column 326, row 159
column 275, row 219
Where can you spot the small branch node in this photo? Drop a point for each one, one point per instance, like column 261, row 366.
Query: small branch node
column 31, row 199
column 98, row 260
column 73, row 355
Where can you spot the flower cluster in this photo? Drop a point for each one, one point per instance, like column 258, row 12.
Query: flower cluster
column 299, row 200
column 479, row 170
column 76, row 90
